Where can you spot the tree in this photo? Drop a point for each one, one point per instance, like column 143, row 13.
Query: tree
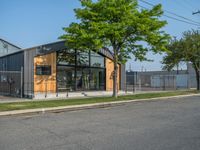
column 119, row 25
column 187, row 49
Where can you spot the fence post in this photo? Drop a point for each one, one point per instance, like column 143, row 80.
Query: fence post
column 45, row 88
column 188, row 81
column 135, row 81
column 140, row 86
column 126, row 86
column 163, row 82
column 175, row 85
column 56, row 87
column 22, row 70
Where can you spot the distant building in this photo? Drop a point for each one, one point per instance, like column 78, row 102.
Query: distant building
column 163, row 79
column 7, row 48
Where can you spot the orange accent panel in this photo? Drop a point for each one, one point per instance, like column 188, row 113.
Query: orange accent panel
column 45, row 83
column 109, row 73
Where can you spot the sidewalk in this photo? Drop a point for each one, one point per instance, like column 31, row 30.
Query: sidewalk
column 8, row 99
column 71, row 95
column 85, row 106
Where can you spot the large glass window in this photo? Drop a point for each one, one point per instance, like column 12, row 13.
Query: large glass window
column 96, row 60
column 66, row 78
column 82, row 58
column 66, row 57
column 77, row 70
column 82, row 79
column 97, row 79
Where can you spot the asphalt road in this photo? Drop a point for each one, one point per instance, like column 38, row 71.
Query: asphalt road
column 159, row 125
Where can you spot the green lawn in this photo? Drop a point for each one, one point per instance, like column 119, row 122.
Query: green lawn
column 68, row 102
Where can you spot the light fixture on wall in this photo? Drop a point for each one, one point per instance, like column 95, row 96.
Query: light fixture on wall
column 42, row 50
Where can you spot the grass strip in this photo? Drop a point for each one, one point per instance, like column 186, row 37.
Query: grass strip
column 68, row 102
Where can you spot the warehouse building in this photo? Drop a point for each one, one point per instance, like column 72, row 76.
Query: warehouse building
column 7, row 47
column 53, row 68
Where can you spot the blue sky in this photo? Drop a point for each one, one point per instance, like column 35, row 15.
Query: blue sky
column 28, row 23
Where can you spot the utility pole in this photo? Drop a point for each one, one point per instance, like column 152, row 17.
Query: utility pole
column 194, row 13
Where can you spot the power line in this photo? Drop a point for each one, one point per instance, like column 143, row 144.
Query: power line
column 181, row 20
column 177, row 19
column 194, row 22
column 198, row 12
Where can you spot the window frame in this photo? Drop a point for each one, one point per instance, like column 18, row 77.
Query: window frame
column 43, row 72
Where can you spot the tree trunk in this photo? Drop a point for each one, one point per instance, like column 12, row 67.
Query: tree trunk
column 115, row 86
column 198, row 81
column 197, row 77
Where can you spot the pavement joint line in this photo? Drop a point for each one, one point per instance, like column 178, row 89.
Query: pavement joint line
column 85, row 106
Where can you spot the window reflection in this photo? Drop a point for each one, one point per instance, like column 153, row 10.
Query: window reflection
column 65, row 78
column 66, row 57
column 97, row 79
column 83, row 58
column 97, row 60
column 82, row 79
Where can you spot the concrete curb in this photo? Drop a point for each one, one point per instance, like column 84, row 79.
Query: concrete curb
column 85, row 106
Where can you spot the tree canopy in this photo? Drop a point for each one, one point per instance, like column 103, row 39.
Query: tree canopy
column 187, row 49
column 119, row 25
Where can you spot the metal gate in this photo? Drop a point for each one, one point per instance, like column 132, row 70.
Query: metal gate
column 148, row 82
column 11, row 83
column 164, row 82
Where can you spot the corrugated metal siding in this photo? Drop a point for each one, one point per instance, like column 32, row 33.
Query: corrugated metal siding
column 10, row 74
column 29, row 71
column 12, row 62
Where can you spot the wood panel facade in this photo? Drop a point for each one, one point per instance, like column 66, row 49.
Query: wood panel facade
column 45, row 83
column 109, row 75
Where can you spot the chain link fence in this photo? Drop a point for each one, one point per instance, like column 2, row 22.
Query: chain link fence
column 11, row 83
column 147, row 82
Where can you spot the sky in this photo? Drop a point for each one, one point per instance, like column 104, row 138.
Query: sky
column 28, row 23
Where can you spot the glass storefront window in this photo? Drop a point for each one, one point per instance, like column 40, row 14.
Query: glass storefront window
column 82, row 79
column 66, row 78
column 97, row 79
column 66, row 57
column 96, row 60
column 77, row 71
column 83, row 58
